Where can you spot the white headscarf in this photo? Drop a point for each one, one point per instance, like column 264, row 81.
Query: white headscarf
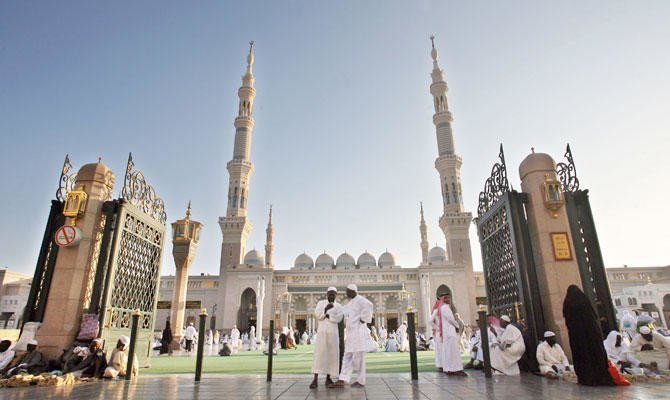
column 125, row 340
column 610, row 342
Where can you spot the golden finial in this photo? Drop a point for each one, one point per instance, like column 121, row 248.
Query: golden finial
column 188, row 210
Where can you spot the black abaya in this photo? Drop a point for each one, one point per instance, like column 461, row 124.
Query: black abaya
column 586, row 341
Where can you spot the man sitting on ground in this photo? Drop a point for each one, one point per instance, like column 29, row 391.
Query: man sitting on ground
column 508, row 349
column 118, row 361
column 650, row 346
column 6, row 355
column 32, row 362
column 551, row 357
column 92, row 364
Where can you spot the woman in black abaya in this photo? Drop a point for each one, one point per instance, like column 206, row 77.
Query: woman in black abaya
column 586, row 340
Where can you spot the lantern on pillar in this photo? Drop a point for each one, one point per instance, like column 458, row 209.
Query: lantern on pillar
column 404, row 297
column 75, row 204
column 553, row 195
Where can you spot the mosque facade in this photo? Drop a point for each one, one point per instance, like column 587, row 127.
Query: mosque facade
column 249, row 289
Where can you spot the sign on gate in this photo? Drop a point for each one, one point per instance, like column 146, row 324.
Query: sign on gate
column 67, row 235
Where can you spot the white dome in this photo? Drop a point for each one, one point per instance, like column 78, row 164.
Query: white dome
column 366, row 260
column 437, row 255
column 254, row 258
column 324, row 261
column 345, row 261
column 303, row 261
column 386, row 260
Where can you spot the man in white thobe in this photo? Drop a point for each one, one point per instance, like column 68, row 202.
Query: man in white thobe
column 551, row 357
column 189, row 335
column 507, row 351
column 235, row 338
column 358, row 313
column 435, row 325
column 401, row 334
column 649, row 346
column 449, row 337
column 326, row 360
column 252, row 338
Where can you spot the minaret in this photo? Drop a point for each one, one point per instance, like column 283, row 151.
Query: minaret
column 268, row 241
column 455, row 223
column 235, row 226
column 424, row 238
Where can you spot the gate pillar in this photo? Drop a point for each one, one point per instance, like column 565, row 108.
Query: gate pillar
column 74, row 270
column 551, row 240
column 185, row 238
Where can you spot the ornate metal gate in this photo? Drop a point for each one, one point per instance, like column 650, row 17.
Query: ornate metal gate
column 129, row 263
column 509, row 269
column 587, row 246
column 39, row 290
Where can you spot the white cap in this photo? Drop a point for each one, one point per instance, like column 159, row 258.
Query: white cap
column 124, row 339
column 505, row 318
column 33, row 341
column 352, row 286
column 645, row 330
column 332, row 289
column 548, row 334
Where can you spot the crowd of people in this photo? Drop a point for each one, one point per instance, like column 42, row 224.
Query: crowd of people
column 80, row 360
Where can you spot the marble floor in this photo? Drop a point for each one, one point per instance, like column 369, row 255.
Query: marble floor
column 379, row 386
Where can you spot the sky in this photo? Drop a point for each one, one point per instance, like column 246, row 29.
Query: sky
column 344, row 145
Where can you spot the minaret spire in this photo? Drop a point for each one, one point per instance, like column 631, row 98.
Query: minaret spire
column 268, row 240
column 424, row 238
column 188, row 211
column 235, row 226
column 448, row 163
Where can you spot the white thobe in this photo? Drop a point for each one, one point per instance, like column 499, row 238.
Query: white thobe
column 5, row 358
column 234, row 339
column 508, row 351
column 548, row 356
column 620, row 354
column 190, row 332
column 435, row 324
column 660, row 354
column 327, row 348
column 358, row 313
column 451, row 356
column 403, row 342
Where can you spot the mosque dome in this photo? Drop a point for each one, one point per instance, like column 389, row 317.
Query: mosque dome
column 367, row 260
column 324, row 261
column 386, row 260
column 254, row 258
column 437, row 255
column 345, row 261
column 303, row 261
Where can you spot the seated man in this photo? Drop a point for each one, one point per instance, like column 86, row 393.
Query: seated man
column 551, row 357
column 620, row 353
column 32, row 362
column 392, row 344
column 226, row 350
column 92, row 364
column 118, row 361
column 6, row 355
column 507, row 351
column 650, row 346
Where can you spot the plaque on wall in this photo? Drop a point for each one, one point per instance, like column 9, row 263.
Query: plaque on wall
column 561, row 245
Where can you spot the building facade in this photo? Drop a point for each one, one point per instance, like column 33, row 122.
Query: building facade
column 250, row 288
column 14, row 292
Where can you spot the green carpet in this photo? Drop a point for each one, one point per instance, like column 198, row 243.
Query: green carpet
column 286, row 362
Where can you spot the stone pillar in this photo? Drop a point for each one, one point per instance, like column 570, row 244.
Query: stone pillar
column 260, row 297
column 185, row 238
column 67, row 298
column 554, row 276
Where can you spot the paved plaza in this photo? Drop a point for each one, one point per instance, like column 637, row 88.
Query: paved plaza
column 379, row 386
